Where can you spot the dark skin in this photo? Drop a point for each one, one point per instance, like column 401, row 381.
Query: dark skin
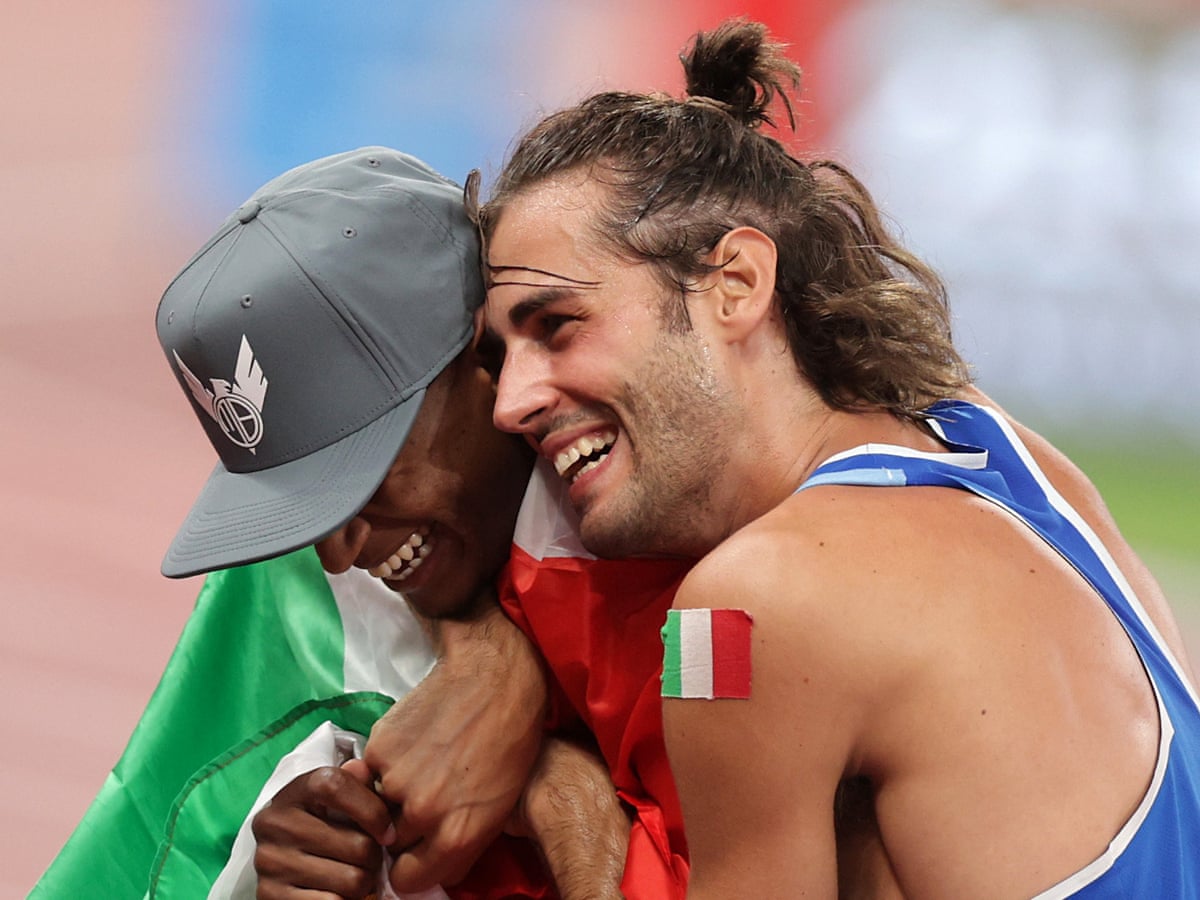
column 323, row 832
column 457, row 484
column 447, row 766
column 323, row 836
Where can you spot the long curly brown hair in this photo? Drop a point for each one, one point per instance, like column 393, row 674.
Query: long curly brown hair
column 867, row 321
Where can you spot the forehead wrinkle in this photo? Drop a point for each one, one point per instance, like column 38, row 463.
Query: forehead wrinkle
column 498, row 271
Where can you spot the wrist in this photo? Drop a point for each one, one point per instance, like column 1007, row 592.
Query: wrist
column 489, row 645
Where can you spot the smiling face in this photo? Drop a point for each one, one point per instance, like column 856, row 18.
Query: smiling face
column 633, row 412
column 440, row 525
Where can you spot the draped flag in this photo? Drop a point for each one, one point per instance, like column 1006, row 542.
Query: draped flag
column 596, row 622
column 271, row 651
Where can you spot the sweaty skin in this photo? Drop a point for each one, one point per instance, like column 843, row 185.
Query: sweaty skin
column 912, row 646
column 864, row 869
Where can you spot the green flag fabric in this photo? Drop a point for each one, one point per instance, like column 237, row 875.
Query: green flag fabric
column 271, row 651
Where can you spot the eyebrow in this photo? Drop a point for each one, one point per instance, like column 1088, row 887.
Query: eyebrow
column 492, row 344
column 524, row 310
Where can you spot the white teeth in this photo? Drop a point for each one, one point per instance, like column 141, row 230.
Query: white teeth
column 566, row 460
column 406, row 558
column 585, row 446
column 588, row 467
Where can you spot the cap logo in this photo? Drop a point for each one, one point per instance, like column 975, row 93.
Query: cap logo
column 236, row 407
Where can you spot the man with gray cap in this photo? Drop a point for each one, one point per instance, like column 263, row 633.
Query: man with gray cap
column 323, row 336
column 307, row 333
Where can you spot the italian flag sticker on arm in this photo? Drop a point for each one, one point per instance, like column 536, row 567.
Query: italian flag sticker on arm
column 706, row 654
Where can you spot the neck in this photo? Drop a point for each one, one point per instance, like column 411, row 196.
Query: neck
column 782, row 451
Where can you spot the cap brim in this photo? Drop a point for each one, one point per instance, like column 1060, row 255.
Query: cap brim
column 244, row 518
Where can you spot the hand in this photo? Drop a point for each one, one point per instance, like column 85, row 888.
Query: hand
column 571, row 809
column 322, row 831
column 454, row 754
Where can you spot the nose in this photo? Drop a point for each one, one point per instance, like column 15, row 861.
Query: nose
column 523, row 393
column 339, row 550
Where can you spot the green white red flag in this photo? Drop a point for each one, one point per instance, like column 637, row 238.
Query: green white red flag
column 706, row 654
column 272, row 652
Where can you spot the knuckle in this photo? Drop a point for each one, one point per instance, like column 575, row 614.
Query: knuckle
column 421, row 810
column 408, row 876
column 356, row 882
column 361, row 850
column 457, row 843
column 326, row 782
column 265, row 825
column 267, row 859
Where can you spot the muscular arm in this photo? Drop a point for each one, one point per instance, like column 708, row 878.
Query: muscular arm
column 454, row 755
column 757, row 777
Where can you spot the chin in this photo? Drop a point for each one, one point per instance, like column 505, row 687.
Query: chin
column 611, row 542
column 433, row 604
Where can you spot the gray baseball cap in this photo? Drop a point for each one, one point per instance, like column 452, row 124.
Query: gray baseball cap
column 304, row 334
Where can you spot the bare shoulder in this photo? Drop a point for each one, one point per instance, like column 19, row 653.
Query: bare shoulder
column 832, row 578
column 925, row 640
column 839, row 582
column 840, row 561
column 757, row 777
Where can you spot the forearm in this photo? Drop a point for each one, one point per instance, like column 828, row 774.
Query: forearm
column 482, row 652
column 482, row 638
column 454, row 754
column 572, row 811
column 587, row 859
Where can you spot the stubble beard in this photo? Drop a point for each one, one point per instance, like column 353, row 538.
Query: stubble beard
column 682, row 437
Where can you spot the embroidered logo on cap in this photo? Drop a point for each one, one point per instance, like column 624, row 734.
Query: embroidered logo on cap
column 236, row 407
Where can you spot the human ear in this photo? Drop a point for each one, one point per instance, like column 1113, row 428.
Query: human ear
column 743, row 282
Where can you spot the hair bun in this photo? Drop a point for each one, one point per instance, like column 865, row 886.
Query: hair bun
column 738, row 66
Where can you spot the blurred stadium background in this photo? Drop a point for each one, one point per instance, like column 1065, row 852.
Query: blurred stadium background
column 1042, row 153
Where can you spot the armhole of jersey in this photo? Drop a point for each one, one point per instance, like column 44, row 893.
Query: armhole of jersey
column 1072, row 516
column 1094, row 870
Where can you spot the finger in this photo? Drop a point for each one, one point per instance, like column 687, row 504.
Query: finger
column 285, row 872
column 333, row 794
column 443, row 857
column 299, row 830
column 359, row 771
column 407, row 834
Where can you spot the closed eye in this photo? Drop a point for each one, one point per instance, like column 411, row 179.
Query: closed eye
column 553, row 330
column 490, row 351
column 550, row 324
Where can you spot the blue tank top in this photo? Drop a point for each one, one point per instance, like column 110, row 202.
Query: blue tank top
column 1156, row 854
